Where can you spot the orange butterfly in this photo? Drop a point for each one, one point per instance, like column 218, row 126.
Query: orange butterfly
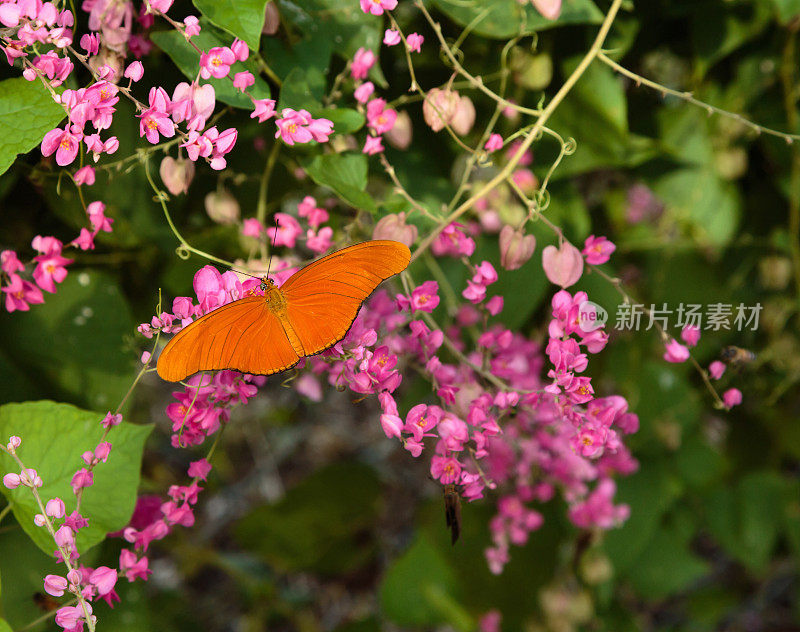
column 309, row 313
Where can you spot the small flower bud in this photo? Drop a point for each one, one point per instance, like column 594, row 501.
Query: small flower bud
column 222, row 207
column 401, row 133
column 177, row 175
column 464, row 117
column 439, row 107
column 395, row 227
column 563, row 265
column 515, row 247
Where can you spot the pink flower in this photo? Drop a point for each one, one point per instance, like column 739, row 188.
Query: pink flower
column 193, row 103
column 50, row 270
column 96, row 211
column 90, row 44
column 243, row 80
column 364, row 92
column 131, row 567
column 363, row 60
column 377, row 7
column 392, row 425
column 216, row 62
column 414, row 42
column 446, row 470
column 391, row 37
column 264, row 109
column 452, row 241
column 494, row 143
column 109, row 421
column 155, row 119
column 563, row 265
column 192, row 26
column 380, row 118
column 732, row 397
column 550, row 9
column 64, row 143
column 55, row 585
column 320, row 241
column 320, row 129
column 424, row 298
column 70, row 617
column 176, row 175
column 315, row 215
column 103, row 579
column 373, row 145
column 251, row 227
column 439, row 108
column 162, row 6
column 82, row 478
column 134, row 71
column 12, row 481
column 55, row 508
column 21, row 294
column 84, row 175
column 292, row 127
column 716, row 369
column 690, row 335
column 10, row 14
column 676, row 352
column 287, row 232
column 199, row 469
column 597, row 250
column 9, row 262
column 495, row 305
column 240, row 50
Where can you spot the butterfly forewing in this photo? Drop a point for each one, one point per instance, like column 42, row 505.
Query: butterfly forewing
column 323, row 298
column 243, row 335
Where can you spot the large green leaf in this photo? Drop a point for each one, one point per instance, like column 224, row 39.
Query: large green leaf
column 54, row 436
column 74, row 343
column 346, row 175
column 503, row 19
column 187, row 59
column 27, row 113
column 242, row 18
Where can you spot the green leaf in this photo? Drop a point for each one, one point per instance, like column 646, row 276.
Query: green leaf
column 786, row 9
column 417, row 585
column 320, row 524
column 74, row 342
column 346, row 175
column 345, row 120
column 706, row 206
column 302, row 89
column 746, row 519
column 4, row 627
column 188, row 61
column 667, row 566
column 343, row 24
column 27, row 113
column 242, row 18
column 54, row 436
column 504, row 19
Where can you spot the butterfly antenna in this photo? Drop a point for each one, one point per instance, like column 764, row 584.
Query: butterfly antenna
column 274, row 239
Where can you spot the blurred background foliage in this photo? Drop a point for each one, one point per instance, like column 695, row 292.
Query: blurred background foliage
column 312, row 520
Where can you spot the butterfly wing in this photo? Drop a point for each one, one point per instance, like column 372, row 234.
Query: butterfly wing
column 323, row 298
column 243, row 335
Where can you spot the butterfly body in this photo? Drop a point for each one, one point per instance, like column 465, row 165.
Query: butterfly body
column 269, row 332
